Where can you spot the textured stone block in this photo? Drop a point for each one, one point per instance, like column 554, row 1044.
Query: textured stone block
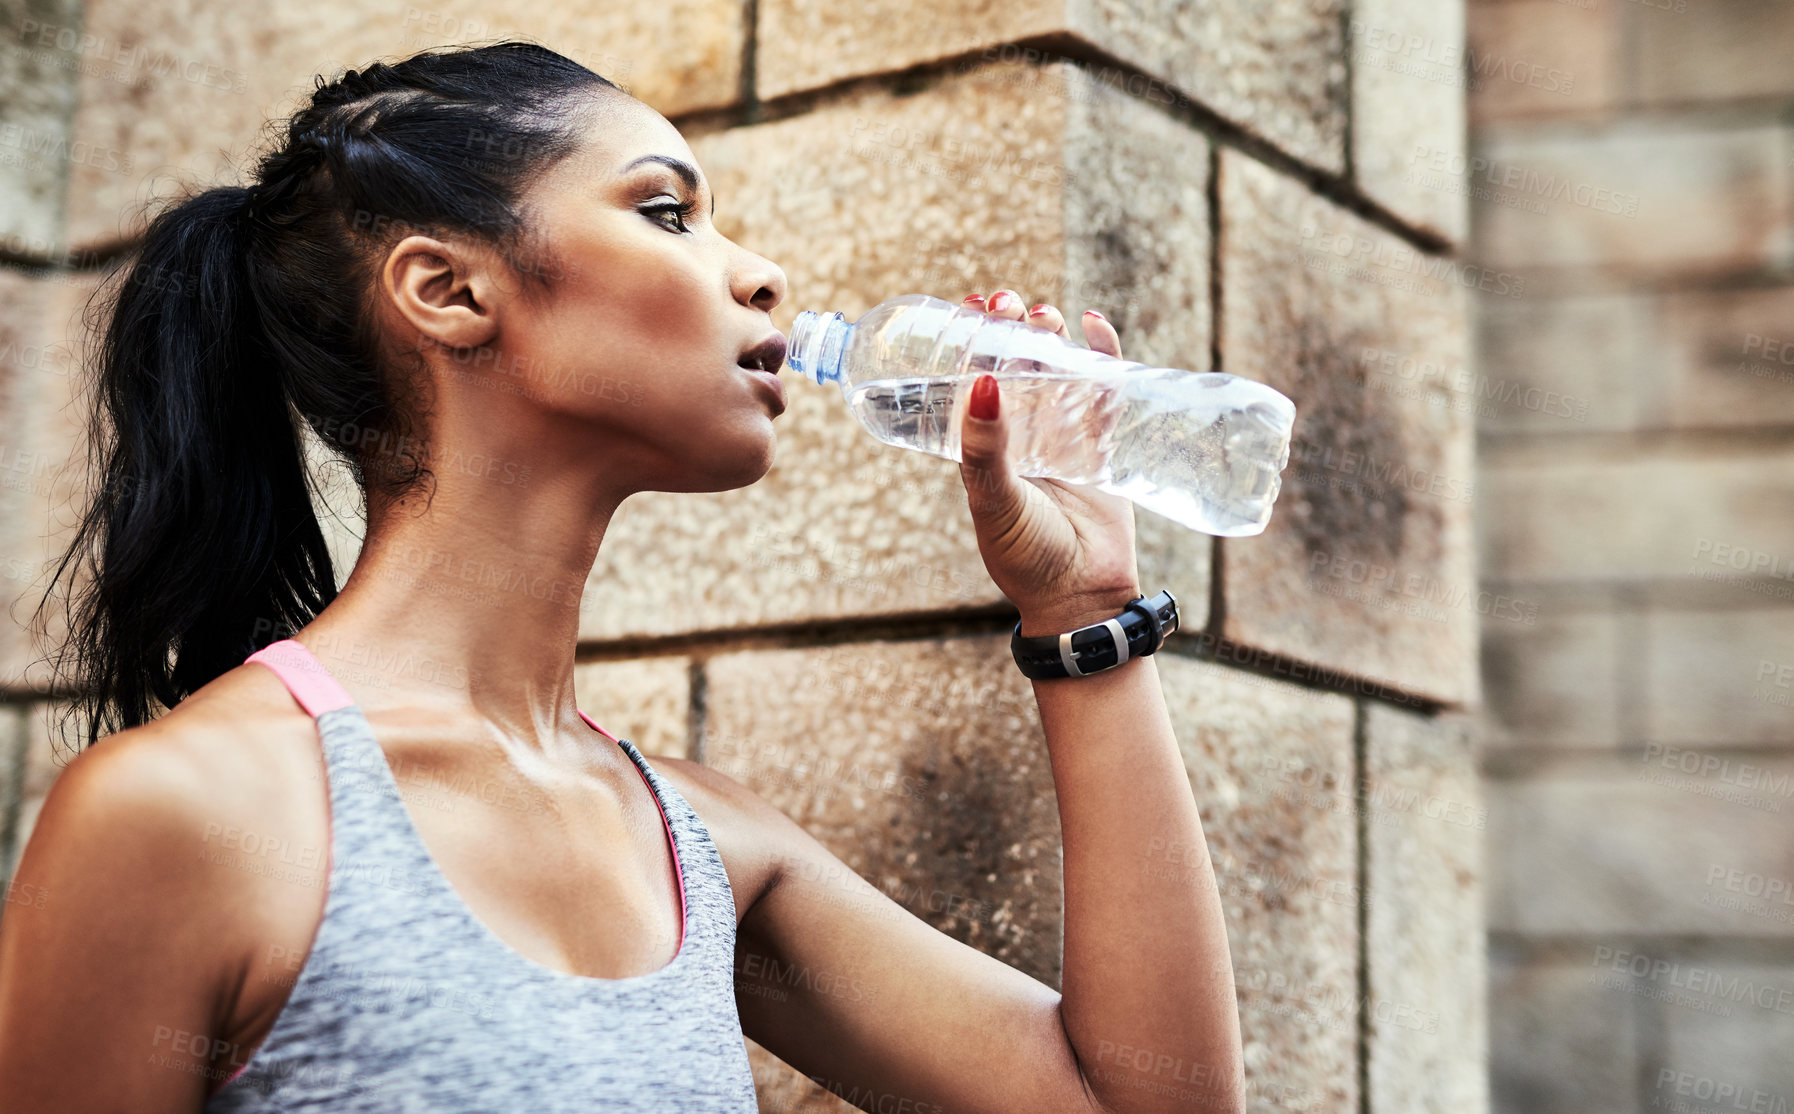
column 183, row 89
column 1741, row 1054
column 806, row 44
column 1408, row 108
column 1667, row 841
column 948, row 766
column 1425, row 825
column 42, row 455
column 1271, row 767
column 922, row 765
column 35, row 148
column 45, row 756
column 1559, row 1044
column 1638, row 199
column 1276, row 69
column 1698, row 359
column 1553, row 684
column 968, row 186
column 1566, row 365
column 22, row 303
column 1365, row 565
column 1728, row 358
column 644, row 700
column 1542, row 57
column 14, row 735
column 1719, row 678
column 1711, row 50
column 931, row 744
column 1681, row 516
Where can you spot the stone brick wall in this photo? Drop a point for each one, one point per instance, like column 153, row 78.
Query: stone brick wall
column 1635, row 410
column 1233, row 183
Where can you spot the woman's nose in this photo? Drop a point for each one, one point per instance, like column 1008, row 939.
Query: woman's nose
column 760, row 283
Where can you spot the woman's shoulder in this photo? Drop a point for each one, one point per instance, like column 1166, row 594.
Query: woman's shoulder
column 236, row 737
column 753, row 836
column 234, row 744
column 139, row 831
column 237, row 755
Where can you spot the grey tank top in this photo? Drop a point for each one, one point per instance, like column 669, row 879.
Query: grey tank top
column 407, row 1002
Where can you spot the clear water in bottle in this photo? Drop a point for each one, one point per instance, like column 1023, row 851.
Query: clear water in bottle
column 1203, row 449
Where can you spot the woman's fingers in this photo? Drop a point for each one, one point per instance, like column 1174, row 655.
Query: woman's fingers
column 1006, row 304
column 1100, row 335
column 1049, row 318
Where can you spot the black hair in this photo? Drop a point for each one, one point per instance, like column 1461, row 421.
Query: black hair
column 245, row 311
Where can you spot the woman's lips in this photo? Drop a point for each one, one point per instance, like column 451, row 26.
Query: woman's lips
column 773, row 384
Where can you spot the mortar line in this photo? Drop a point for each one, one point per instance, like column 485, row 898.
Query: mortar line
column 1054, row 47
column 1048, row 48
column 17, row 762
column 1348, row 110
column 697, row 674
column 1217, row 596
column 1361, row 826
column 750, row 55
column 990, row 622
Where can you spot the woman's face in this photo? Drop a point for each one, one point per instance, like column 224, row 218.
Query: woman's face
column 634, row 351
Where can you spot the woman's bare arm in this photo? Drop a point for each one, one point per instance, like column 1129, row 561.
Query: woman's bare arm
column 115, row 947
column 884, row 1010
column 1148, row 975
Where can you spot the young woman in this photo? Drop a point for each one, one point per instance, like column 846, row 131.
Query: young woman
column 242, row 910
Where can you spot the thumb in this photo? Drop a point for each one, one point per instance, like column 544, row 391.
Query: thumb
column 992, row 490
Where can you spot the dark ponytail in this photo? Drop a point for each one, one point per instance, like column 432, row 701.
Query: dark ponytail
column 245, row 312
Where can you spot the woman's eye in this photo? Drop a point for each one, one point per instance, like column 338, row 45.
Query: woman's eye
column 676, row 212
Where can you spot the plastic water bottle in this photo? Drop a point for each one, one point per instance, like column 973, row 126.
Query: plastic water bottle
column 1201, row 448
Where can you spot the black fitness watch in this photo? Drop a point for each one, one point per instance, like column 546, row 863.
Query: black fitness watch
column 1139, row 630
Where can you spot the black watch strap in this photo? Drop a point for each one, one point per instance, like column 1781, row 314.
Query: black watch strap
column 1139, row 630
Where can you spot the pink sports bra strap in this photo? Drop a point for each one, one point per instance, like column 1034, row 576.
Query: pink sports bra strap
column 304, row 675
column 596, row 728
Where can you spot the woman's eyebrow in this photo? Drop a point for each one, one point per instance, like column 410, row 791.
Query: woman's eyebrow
column 686, row 171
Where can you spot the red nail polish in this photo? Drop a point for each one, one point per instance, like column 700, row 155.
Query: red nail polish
column 969, row 298
column 1093, row 313
column 1037, row 310
column 983, row 403
column 1000, row 302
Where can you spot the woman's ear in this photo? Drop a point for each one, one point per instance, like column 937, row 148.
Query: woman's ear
column 446, row 291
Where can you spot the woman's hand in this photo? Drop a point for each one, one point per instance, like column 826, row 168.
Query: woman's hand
column 1063, row 553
